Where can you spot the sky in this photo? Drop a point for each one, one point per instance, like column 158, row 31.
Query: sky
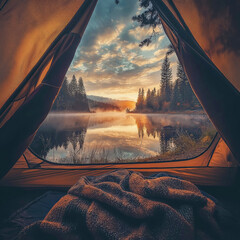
column 109, row 58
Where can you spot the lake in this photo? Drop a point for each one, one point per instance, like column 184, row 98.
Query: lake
column 85, row 138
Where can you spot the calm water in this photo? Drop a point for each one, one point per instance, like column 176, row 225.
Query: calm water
column 118, row 137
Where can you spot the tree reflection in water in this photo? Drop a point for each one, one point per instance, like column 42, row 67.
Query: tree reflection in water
column 174, row 133
column 62, row 137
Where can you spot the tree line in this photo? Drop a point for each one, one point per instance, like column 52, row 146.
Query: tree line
column 177, row 96
column 72, row 96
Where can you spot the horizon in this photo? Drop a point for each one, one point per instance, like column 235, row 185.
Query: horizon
column 109, row 98
column 109, row 58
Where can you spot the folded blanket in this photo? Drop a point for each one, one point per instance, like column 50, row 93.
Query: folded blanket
column 127, row 205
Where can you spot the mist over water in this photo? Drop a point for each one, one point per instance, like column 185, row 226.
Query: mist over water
column 84, row 138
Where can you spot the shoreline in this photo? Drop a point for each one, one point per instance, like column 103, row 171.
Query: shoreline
column 197, row 112
column 172, row 112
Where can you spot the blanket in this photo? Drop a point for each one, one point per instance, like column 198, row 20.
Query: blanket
column 127, row 205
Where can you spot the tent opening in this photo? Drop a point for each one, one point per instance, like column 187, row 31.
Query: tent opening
column 151, row 122
column 123, row 100
column 120, row 134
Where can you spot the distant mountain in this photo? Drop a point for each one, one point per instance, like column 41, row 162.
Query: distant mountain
column 121, row 104
column 99, row 99
column 96, row 106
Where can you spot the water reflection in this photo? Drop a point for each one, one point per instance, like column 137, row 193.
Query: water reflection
column 119, row 137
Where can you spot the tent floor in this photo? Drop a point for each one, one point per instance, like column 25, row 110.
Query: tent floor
column 13, row 199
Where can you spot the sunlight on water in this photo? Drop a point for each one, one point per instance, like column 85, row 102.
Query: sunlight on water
column 118, row 137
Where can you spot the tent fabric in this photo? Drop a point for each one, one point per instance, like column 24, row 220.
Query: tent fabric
column 215, row 26
column 222, row 156
column 31, row 73
column 57, row 23
column 28, row 27
column 65, row 178
column 207, row 53
column 34, row 110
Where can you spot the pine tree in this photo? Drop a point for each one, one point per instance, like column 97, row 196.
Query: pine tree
column 150, row 18
column 138, row 103
column 143, row 99
column 159, row 99
column 81, row 88
column 73, row 86
column 140, row 100
column 148, row 99
column 64, row 94
column 154, row 100
column 64, row 90
column 166, row 77
column 81, row 101
column 176, row 98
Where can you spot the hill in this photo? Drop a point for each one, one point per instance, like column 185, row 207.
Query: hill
column 96, row 106
column 122, row 105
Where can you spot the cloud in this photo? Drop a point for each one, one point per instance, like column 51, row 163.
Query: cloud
column 109, row 57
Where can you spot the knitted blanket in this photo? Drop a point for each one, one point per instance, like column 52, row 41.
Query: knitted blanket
column 127, row 205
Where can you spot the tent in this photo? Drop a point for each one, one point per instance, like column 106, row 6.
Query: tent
column 37, row 44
